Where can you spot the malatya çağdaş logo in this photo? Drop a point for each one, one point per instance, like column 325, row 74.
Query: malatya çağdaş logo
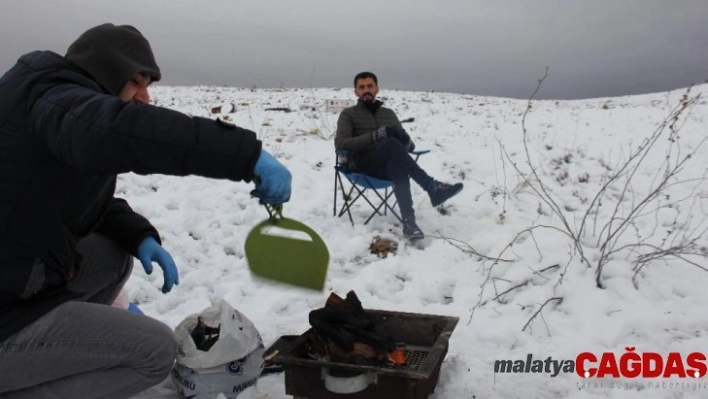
column 630, row 364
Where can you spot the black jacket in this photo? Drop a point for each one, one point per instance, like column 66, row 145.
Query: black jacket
column 356, row 123
column 63, row 140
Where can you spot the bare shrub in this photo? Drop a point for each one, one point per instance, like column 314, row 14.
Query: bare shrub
column 621, row 218
column 629, row 203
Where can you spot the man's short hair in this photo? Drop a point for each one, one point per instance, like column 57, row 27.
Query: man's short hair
column 364, row 75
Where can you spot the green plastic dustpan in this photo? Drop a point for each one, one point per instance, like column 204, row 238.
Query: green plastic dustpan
column 288, row 251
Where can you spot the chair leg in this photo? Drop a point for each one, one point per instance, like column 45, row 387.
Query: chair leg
column 334, row 207
column 348, row 202
column 346, row 198
column 349, row 198
column 389, row 207
column 351, row 201
column 385, row 195
column 360, row 193
column 384, row 203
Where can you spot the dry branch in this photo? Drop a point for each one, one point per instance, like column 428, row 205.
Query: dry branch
column 538, row 312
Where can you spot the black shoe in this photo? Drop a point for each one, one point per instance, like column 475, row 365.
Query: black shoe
column 440, row 192
column 411, row 230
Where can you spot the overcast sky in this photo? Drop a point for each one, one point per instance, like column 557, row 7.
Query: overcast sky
column 593, row 48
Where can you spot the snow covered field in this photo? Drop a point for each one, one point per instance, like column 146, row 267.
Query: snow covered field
column 534, row 297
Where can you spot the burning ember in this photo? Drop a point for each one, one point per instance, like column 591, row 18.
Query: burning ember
column 345, row 333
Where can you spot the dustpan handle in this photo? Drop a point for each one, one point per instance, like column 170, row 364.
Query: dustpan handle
column 286, row 224
column 274, row 210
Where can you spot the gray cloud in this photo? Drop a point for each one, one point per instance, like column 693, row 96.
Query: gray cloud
column 593, row 48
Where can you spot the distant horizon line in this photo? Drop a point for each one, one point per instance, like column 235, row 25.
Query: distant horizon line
column 335, row 88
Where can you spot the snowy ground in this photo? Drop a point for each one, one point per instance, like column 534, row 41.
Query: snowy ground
column 574, row 146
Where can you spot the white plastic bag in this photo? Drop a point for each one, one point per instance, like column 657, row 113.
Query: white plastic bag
column 233, row 364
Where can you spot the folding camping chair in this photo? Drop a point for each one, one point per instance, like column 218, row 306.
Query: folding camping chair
column 360, row 185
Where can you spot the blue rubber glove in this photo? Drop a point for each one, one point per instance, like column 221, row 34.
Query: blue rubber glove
column 272, row 180
column 150, row 251
column 134, row 308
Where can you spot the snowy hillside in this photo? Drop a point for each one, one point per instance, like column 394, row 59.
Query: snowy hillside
column 537, row 296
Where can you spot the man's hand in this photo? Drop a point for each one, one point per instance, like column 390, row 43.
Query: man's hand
column 273, row 180
column 150, row 251
column 386, row 132
column 404, row 138
column 383, row 133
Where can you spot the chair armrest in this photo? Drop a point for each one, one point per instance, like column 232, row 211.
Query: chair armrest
column 418, row 153
column 340, row 160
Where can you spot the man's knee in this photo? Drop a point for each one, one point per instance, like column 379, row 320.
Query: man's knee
column 99, row 246
column 393, row 145
column 99, row 250
column 163, row 352
column 103, row 269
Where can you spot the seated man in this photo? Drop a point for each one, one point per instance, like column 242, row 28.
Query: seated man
column 379, row 146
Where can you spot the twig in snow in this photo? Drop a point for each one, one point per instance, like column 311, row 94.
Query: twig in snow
column 536, row 313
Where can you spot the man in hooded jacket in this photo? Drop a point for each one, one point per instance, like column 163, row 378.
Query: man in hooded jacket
column 68, row 126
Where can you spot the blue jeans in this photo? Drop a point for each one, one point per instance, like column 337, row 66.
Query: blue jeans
column 86, row 348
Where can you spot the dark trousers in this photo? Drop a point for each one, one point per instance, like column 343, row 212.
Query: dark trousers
column 389, row 160
column 87, row 348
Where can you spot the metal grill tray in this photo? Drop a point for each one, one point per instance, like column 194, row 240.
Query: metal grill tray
column 426, row 339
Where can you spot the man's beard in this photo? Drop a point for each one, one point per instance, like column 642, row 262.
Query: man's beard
column 367, row 98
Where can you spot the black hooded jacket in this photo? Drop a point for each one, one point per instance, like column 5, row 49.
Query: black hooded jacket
column 63, row 140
